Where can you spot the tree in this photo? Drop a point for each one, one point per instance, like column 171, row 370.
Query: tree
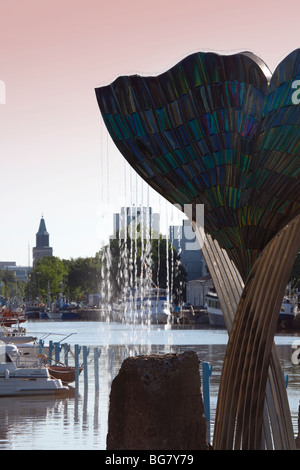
column 51, row 271
column 10, row 285
column 83, row 276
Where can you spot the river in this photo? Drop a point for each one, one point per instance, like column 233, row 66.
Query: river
column 80, row 422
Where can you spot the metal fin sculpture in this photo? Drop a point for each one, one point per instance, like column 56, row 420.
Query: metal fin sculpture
column 222, row 132
column 243, row 384
column 277, row 424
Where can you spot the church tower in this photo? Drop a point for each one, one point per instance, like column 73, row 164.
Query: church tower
column 42, row 247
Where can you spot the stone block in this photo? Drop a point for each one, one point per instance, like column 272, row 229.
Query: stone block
column 156, row 404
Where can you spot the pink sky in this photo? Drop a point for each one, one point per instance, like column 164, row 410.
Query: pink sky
column 52, row 56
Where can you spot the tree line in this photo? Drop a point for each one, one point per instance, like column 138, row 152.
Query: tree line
column 119, row 264
column 10, row 286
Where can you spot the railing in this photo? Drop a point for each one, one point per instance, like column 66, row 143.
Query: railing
column 28, row 361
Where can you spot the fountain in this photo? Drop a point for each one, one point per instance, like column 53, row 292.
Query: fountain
column 129, row 291
column 224, row 132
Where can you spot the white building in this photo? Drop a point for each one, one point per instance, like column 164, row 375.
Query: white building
column 196, row 290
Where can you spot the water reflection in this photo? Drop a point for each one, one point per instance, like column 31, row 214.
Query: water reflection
column 25, row 418
column 292, row 371
column 80, row 421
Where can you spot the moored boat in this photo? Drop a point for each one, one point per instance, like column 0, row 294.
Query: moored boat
column 54, row 315
column 216, row 319
column 18, row 378
column 9, row 316
column 137, row 306
column 287, row 313
column 34, row 309
column 66, row 374
column 15, row 335
column 61, row 309
column 214, row 311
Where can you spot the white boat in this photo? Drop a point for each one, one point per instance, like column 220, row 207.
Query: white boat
column 215, row 315
column 137, row 306
column 16, row 335
column 214, row 312
column 18, row 378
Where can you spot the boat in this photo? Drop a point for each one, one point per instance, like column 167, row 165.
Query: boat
column 61, row 309
column 214, row 312
column 15, row 335
column 136, row 306
column 216, row 319
column 9, row 316
column 63, row 314
column 43, row 315
column 287, row 313
column 20, row 378
column 54, row 315
column 66, row 374
column 34, row 308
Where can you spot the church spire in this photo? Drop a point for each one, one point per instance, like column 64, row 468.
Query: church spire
column 42, row 236
column 42, row 247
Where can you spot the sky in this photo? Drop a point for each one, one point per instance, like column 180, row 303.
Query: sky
column 56, row 158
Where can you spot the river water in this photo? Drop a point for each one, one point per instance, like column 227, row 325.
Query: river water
column 80, row 421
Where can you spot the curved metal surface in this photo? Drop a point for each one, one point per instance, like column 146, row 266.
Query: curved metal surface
column 243, row 383
column 277, row 428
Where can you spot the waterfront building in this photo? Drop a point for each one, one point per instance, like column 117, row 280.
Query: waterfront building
column 196, row 290
column 21, row 272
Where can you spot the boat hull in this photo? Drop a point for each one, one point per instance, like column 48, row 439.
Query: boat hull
column 23, row 386
column 54, row 315
column 65, row 373
column 216, row 319
column 285, row 321
column 17, row 339
column 142, row 317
